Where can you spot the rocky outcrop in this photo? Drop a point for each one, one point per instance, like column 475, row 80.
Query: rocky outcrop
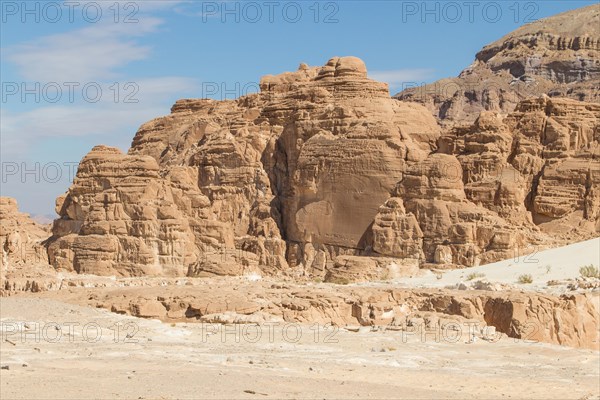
column 455, row 229
column 569, row 320
column 341, row 152
column 292, row 176
column 24, row 261
column 20, row 238
column 351, row 269
column 558, row 56
column 540, row 164
column 323, row 164
column 120, row 218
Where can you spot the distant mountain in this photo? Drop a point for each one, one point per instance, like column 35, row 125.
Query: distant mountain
column 43, row 218
column 557, row 56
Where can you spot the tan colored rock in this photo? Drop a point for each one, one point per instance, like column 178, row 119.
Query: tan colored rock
column 537, row 167
column 396, row 233
column 21, row 238
column 569, row 320
column 310, row 159
column 121, row 218
column 454, row 229
column 558, row 56
column 148, row 309
column 339, row 156
column 351, row 269
column 322, row 164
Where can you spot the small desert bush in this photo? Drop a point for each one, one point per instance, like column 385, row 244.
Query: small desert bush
column 339, row 281
column 475, row 275
column 589, row 271
column 525, row 278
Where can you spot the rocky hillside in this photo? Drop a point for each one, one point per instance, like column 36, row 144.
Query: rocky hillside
column 558, row 56
column 20, row 238
column 322, row 170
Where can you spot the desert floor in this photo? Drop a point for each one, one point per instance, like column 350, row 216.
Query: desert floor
column 98, row 354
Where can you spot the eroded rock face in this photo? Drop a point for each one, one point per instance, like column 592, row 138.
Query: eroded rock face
column 438, row 222
column 20, row 238
column 341, row 152
column 558, row 56
column 540, row 164
column 323, row 164
column 120, row 217
column 24, row 262
column 293, row 175
column 352, row 269
column 569, row 320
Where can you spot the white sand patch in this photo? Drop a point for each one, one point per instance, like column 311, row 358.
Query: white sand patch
column 543, row 266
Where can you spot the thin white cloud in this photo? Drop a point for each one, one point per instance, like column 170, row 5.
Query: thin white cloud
column 104, row 118
column 401, row 77
column 99, row 53
column 95, row 54
column 89, row 54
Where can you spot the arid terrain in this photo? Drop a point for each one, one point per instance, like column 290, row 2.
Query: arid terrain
column 191, row 360
column 323, row 239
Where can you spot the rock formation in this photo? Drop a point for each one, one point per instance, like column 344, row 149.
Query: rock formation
column 20, row 237
column 570, row 320
column 323, row 165
column 558, row 56
column 291, row 176
column 24, row 260
column 540, row 164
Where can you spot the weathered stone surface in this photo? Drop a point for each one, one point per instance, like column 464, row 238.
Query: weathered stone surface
column 350, row 269
column 558, row 56
column 310, row 159
column 24, row 261
column 120, row 217
column 536, row 168
column 321, row 164
column 342, row 150
column 20, row 238
column 570, row 320
column 396, row 233
column 454, row 229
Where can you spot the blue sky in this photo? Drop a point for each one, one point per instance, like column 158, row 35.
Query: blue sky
column 136, row 58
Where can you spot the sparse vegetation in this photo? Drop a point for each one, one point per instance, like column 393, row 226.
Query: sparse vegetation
column 340, row 281
column 589, row 271
column 475, row 275
column 525, row 278
column 548, row 268
column 385, row 276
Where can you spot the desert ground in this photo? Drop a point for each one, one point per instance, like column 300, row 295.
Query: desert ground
column 92, row 359
column 56, row 343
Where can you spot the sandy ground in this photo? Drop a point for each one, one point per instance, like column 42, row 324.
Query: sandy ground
column 88, row 357
column 553, row 264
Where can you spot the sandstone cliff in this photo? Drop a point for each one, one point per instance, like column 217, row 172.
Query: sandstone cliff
column 294, row 174
column 20, row 237
column 557, row 56
column 24, row 262
column 320, row 164
column 540, row 164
